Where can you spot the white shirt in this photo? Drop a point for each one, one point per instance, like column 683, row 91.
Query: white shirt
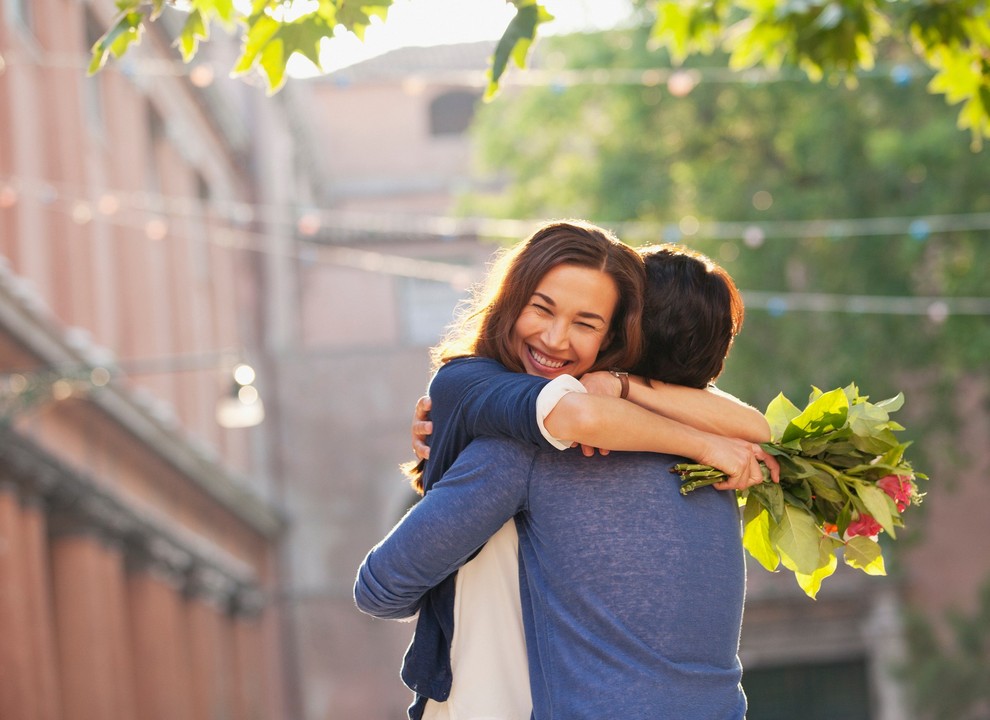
column 488, row 651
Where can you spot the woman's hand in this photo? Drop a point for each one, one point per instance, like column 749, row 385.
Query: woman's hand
column 422, row 428
column 741, row 461
column 601, row 383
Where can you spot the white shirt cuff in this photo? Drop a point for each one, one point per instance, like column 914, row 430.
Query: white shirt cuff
column 547, row 400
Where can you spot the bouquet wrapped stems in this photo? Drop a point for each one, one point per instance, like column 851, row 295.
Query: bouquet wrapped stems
column 704, row 475
column 843, row 480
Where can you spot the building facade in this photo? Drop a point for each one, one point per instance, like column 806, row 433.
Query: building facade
column 139, row 539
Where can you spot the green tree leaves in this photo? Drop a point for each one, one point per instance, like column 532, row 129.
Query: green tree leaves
column 825, row 38
column 516, row 41
column 272, row 32
column 125, row 32
column 269, row 44
column 835, row 38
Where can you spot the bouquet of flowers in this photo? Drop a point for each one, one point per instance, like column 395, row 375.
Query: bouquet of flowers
column 843, row 480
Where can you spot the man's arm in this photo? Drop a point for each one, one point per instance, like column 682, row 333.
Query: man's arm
column 707, row 409
column 485, row 487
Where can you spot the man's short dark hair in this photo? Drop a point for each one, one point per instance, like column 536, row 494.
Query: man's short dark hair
column 691, row 315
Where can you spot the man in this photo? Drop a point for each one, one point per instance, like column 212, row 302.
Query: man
column 631, row 594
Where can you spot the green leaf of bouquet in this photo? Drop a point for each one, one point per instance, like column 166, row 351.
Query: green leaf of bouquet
column 877, row 443
column 864, row 554
column 756, row 534
column 844, row 517
column 826, row 487
column 892, row 404
column 797, row 494
column 794, row 466
column 894, row 456
column 840, row 443
column 878, row 504
column 796, row 539
column 779, row 414
column 828, row 412
column 771, row 497
column 811, row 583
column 866, row 413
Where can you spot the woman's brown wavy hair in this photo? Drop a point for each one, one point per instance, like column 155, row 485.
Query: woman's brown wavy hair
column 483, row 327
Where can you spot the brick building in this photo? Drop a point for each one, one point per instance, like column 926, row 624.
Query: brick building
column 139, row 539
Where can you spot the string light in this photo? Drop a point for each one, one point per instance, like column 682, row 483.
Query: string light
column 8, row 196
column 323, row 225
column 937, row 309
column 25, row 389
column 678, row 81
column 327, row 222
column 201, row 76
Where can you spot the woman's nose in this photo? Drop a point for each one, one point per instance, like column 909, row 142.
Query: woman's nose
column 555, row 335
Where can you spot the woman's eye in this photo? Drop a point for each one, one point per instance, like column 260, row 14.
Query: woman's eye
column 542, row 308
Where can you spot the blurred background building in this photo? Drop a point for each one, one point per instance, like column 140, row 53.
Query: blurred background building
column 139, row 524
column 174, row 546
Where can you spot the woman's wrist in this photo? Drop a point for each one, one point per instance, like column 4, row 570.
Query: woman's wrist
column 623, row 378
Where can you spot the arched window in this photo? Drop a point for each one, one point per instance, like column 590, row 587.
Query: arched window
column 451, row 112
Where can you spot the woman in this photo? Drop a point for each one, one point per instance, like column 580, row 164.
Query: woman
column 562, row 303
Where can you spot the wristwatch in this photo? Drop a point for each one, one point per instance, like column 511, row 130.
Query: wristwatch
column 623, row 381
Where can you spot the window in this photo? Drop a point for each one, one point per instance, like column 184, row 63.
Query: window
column 20, row 11
column 92, row 88
column 451, row 113
column 823, row 691
column 156, row 141
column 426, row 308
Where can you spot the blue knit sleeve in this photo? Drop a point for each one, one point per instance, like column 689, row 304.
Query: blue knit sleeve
column 488, row 400
column 485, row 487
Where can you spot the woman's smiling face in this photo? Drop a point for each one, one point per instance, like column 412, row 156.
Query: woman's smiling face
column 566, row 321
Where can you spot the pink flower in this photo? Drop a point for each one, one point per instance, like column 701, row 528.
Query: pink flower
column 898, row 487
column 863, row 525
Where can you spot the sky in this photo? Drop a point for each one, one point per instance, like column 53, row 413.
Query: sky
column 439, row 22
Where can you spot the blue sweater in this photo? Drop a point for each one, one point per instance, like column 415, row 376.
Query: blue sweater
column 472, row 397
column 632, row 595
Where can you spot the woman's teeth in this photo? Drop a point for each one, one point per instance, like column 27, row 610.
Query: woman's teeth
column 545, row 361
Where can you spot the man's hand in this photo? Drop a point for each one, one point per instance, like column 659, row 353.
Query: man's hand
column 740, row 460
column 422, row 428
